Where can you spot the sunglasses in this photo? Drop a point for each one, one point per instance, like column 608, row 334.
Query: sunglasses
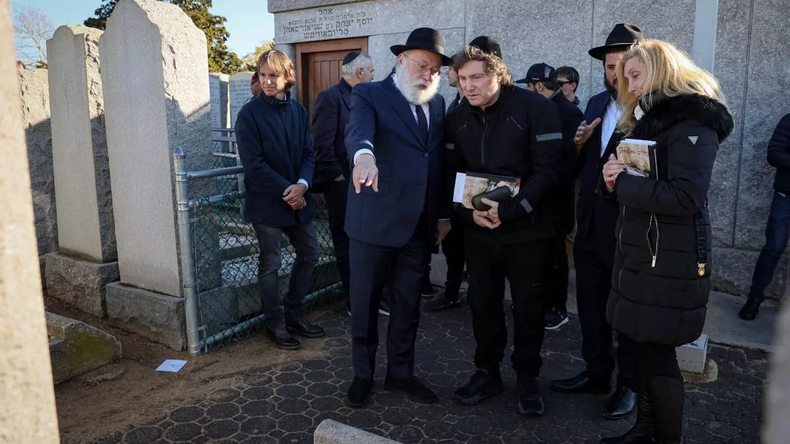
column 564, row 82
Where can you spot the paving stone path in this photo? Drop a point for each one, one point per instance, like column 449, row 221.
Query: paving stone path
column 285, row 403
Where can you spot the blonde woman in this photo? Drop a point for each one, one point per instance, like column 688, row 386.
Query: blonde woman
column 661, row 277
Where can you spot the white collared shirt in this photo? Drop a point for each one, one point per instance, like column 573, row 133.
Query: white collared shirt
column 609, row 123
column 426, row 107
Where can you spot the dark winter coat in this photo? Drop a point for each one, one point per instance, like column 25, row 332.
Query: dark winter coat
column 520, row 136
column 779, row 155
column 276, row 151
column 330, row 115
column 666, row 304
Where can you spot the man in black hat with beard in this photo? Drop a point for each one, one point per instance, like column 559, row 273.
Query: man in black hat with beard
column 593, row 252
column 395, row 143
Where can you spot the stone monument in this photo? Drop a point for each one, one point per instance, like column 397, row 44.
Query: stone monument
column 220, row 100
column 87, row 260
column 27, row 410
column 34, row 93
column 239, row 93
column 156, row 98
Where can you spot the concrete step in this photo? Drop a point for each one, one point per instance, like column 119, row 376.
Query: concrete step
column 76, row 347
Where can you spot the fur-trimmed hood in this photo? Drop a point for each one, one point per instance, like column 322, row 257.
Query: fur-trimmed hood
column 672, row 110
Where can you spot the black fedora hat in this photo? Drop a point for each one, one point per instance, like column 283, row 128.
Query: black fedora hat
column 622, row 36
column 427, row 39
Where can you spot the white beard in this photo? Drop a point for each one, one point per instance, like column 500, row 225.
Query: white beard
column 409, row 88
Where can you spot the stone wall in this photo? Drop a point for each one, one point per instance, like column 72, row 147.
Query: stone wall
column 34, row 95
column 751, row 40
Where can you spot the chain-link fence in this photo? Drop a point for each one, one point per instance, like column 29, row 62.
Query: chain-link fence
column 225, row 258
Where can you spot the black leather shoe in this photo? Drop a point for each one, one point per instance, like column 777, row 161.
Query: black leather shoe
column 359, row 392
column 412, row 387
column 620, row 404
column 441, row 303
column 581, row 384
column 482, row 385
column 302, row 327
column 749, row 310
column 278, row 334
column 530, row 403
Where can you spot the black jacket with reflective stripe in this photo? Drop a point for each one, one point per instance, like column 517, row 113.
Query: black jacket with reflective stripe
column 519, row 135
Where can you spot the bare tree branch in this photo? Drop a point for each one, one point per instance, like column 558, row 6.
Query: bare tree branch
column 32, row 28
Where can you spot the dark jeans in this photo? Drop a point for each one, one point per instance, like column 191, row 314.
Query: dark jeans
column 776, row 235
column 523, row 265
column 593, row 284
column 557, row 286
column 336, row 195
column 453, row 248
column 303, row 238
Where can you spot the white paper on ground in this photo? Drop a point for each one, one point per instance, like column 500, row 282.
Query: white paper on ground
column 458, row 191
column 171, row 365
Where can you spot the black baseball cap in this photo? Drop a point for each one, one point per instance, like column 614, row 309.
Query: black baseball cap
column 539, row 72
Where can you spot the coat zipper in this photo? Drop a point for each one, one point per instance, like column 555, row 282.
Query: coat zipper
column 653, row 252
column 620, row 233
column 514, row 122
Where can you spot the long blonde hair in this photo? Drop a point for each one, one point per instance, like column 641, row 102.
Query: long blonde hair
column 669, row 73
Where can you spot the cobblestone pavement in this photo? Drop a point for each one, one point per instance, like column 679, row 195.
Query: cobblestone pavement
column 286, row 403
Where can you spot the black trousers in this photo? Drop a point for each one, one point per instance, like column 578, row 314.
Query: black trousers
column 336, row 195
column 370, row 267
column 523, row 265
column 453, row 247
column 654, row 360
column 557, row 285
column 593, row 284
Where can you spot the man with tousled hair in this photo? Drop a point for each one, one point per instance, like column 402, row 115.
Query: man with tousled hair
column 501, row 129
column 277, row 155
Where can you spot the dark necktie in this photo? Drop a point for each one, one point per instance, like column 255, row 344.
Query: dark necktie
column 422, row 123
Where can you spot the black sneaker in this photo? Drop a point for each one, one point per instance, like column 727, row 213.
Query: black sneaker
column 412, row 387
column 749, row 310
column 530, row 403
column 555, row 319
column 426, row 289
column 441, row 303
column 481, row 386
column 384, row 307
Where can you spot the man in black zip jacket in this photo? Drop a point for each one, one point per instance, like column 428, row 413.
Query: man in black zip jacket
column 504, row 130
column 778, row 229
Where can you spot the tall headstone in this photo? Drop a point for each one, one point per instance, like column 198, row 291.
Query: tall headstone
column 87, row 260
column 27, row 410
column 34, row 93
column 156, row 95
column 239, row 93
column 220, row 100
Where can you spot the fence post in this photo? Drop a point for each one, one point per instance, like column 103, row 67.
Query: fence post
column 185, row 247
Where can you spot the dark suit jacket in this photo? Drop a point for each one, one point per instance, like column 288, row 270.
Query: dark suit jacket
column 276, row 151
column 570, row 118
column 330, row 114
column 410, row 170
column 596, row 216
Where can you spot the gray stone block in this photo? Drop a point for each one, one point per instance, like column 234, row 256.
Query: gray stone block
column 220, row 100
column 766, row 102
column 166, row 108
column 290, row 5
column 730, row 70
column 692, row 357
column 79, row 145
column 733, row 269
column 34, row 95
column 77, row 348
column 80, row 283
column 365, row 19
column 153, row 316
column 333, row 432
column 239, row 91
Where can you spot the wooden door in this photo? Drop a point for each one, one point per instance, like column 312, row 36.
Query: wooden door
column 318, row 66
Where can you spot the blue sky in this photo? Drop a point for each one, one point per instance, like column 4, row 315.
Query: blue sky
column 249, row 22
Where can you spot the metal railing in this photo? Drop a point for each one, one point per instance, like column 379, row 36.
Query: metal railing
column 219, row 255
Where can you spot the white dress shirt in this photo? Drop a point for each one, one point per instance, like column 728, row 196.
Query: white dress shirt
column 609, row 123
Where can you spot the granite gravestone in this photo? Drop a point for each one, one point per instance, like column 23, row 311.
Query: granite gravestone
column 156, row 96
column 239, row 93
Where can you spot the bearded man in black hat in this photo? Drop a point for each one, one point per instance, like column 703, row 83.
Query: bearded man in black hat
column 594, row 245
column 395, row 144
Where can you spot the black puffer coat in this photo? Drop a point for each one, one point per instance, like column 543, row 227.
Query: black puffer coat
column 667, row 220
